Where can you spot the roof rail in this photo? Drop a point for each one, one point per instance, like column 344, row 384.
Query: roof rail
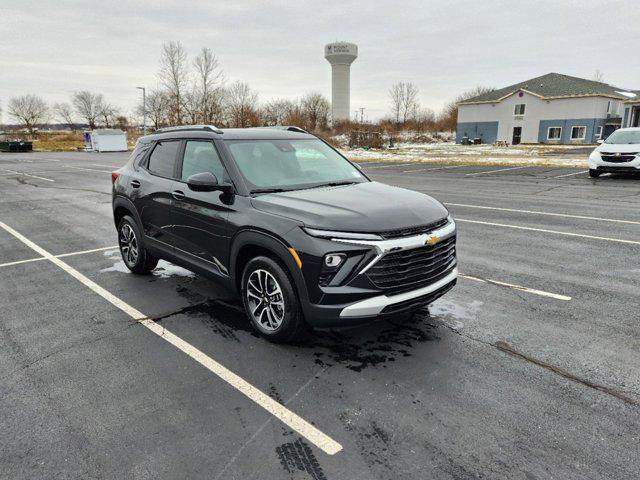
column 182, row 128
column 291, row 128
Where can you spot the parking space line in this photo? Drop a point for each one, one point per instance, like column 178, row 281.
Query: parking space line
column 533, row 291
column 551, row 214
column 28, row 175
column 293, row 421
column 71, row 254
column 570, row 174
column 389, row 165
column 87, row 169
column 556, row 232
column 486, row 172
column 436, row 168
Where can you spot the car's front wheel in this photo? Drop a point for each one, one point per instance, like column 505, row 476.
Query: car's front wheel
column 593, row 173
column 134, row 254
column 271, row 301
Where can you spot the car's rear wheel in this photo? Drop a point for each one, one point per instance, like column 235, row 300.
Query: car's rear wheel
column 271, row 301
column 134, row 254
column 594, row 173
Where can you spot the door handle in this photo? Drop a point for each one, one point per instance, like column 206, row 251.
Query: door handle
column 178, row 195
column 135, row 183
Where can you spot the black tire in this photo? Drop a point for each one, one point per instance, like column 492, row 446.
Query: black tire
column 131, row 244
column 275, row 324
column 594, row 173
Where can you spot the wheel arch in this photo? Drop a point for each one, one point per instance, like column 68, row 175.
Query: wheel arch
column 123, row 206
column 251, row 243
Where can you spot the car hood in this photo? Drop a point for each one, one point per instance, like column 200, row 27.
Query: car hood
column 619, row 147
column 361, row 207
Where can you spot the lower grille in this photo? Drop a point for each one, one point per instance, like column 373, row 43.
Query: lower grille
column 416, row 303
column 618, row 157
column 415, row 268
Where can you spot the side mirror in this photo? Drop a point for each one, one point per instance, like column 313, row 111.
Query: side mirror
column 206, row 182
column 600, row 141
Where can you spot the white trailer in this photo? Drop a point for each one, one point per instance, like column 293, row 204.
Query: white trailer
column 105, row 140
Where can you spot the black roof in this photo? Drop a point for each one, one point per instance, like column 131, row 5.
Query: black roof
column 257, row 133
column 553, row 85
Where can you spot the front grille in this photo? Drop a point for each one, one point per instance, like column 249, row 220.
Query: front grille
column 618, row 158
column 412, row 231
column 415, row 268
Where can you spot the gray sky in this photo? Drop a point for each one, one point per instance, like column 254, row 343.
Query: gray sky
column 54, row 48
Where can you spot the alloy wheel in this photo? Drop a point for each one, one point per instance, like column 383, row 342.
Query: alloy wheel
column 265, row 300
column 128, row 244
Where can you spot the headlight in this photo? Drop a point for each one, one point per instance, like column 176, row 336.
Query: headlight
column 330, row 234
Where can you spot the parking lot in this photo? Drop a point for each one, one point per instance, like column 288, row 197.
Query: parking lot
column 527, row 369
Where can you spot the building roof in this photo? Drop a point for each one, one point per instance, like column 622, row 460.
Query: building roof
column 635, row 99
column 554, row 85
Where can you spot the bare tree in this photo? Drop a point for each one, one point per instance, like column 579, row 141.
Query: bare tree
column 173, row 76
column 598, row 76
column 315, row 110
column 29, row 110
column 208, row 92
column 404, row 101
column 241, row 105
column 157, row 104
column 279, row 112
column 108, row 114
column 89, row 106
column 448, row 118
column 64, row 112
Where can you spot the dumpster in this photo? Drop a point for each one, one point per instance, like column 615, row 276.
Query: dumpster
column 16, row 146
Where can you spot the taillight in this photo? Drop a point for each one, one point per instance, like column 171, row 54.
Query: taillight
column 114, row 176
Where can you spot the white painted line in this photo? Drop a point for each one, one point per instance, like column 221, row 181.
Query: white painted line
column 29, row 175
column 571, row 174
column 388, row 165
column 286, row 416
column 37, row 259
column 486, row 172
column 533, row 291
column 544, row 230
column 436, row 168
column 104, row 165
column 88, row 169
column 551, row 214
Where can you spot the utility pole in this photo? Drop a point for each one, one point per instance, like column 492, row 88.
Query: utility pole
column 144, row 110
column 361, row 114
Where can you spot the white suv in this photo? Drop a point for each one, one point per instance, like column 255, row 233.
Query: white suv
column 619, row 153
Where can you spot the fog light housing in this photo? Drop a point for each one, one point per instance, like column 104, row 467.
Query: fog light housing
column 334, row 260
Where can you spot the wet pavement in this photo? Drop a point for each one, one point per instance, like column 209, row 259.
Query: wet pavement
column 527, row 369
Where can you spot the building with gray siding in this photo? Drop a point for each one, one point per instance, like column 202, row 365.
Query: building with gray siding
column 553, row 108
column 631, row 116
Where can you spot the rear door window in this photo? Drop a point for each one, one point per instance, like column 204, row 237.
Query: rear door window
column 163, row 159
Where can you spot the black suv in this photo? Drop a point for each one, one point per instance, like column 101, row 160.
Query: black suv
column 280, row 217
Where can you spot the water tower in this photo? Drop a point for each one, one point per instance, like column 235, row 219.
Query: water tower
column 340, row 55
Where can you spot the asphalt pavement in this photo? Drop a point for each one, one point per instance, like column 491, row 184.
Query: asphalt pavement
column 527, row 369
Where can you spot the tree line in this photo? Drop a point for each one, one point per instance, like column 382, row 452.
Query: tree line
column 196, row 91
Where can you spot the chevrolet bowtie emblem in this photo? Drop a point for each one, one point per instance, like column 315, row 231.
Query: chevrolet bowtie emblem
column 432, row 240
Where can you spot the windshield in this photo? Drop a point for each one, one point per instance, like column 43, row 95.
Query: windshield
column 624, row 137
column 291, row 164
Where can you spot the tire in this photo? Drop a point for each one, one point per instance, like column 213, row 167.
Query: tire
column 273, row 312
column 134, row 254
column 594, row 173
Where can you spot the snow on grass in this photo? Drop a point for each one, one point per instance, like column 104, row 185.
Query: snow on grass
column 553, row 155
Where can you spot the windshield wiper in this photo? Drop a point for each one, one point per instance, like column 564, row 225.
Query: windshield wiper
column 267, row 190
column 334, row 184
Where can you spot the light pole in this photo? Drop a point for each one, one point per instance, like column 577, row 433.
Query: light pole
column 144, row 110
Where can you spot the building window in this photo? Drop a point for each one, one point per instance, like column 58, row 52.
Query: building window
column 554, row 133
column 599, row 132
column 518, row 111
column 578, row 133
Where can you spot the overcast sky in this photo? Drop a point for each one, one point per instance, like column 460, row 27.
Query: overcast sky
column 53, row 48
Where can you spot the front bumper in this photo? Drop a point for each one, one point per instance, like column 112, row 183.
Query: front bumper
column 359, row 300
column 377, row 305
column 596, row 163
